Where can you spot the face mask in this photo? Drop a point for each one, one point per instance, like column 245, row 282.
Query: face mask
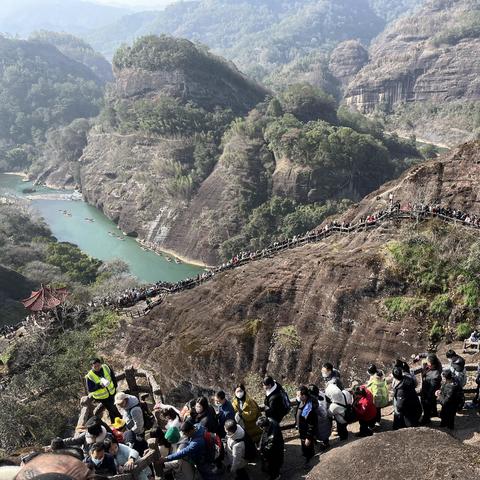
column 97, row 461
column 198, row 408
column 325, row 376
column 240, row 395
column 299, row 399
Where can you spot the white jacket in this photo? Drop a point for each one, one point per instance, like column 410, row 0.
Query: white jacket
column 337, row 397
column 236, row 449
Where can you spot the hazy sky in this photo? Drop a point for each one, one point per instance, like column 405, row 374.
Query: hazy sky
column 136, row 3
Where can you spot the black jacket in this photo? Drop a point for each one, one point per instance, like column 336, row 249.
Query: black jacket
column 275, row 404
column 271, row 442
column 450, row 395
column 431, row 382
column 208, row 419
column 458, row 363
column 107, row 468
column 406, row 399
column 307, row 426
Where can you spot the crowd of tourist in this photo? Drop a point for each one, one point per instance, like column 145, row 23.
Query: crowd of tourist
column 395, row 211
column 223, row 437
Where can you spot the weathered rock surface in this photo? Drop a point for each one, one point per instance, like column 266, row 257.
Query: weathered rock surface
column 414, row 453
column 287, row 314
column 450, row 180
column 347, row 59
column 428, row 59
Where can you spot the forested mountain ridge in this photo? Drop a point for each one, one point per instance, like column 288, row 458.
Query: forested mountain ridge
column 40, row 90
column 78, row 50
column 280, row 32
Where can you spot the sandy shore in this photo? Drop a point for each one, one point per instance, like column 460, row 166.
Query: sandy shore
column 18, row 174
column 183, row 259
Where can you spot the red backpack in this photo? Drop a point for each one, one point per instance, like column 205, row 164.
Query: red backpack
column 214, row 446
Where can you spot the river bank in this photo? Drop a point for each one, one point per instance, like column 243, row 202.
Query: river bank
column 73, row 220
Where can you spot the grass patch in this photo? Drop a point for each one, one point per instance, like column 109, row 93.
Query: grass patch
column 252, row 327
column 288, row 337
column 398, row 307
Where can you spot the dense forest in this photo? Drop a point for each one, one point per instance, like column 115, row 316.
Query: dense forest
column 282, row 31
column 40, row 89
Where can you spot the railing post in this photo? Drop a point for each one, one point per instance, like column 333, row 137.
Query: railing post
column 157, row 466
column 85, row 412
column 131, row 380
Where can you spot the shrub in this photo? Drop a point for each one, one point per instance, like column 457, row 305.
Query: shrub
column 252, row 327
column 398, row 307
column 436, row 332
column 440, row 306
column 470, row 293
column 463, row 331
column 288, row 337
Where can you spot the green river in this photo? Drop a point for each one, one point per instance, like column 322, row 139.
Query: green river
column 100, row 238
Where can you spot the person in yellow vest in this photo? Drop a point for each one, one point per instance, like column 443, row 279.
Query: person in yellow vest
column 102, row 386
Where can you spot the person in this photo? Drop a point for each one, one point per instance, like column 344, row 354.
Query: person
column 102, row 463
column 225, row 411
column 271, row 447
column 55, row 464
column 457, row 367
column 407, row 406
column 124, row 457
column 102, row 385
column 58, row 445
column 331, row 375
column 96, row 433
column 247, row 412
column 338, row 407
column 195, row 450
column 171, row 443
column 131, row 412
column 205, row 415
column 324, row 425
column 450, row 397
column 377, row 384
column 406, row 371
column 431, row 382
column 236, row 450
column 365, row 410
column 172, row 417
column 275, row 400
column 307, row 422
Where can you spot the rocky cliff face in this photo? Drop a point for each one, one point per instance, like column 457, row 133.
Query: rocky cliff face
column 424, row 70
column 388, row 451
column 287, row 314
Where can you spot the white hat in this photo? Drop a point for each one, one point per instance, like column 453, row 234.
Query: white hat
column 120, row 397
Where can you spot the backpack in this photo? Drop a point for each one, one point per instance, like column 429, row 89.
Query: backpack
column 349, row 415
column 460, row 377
column 286, row 401
column 148, row 418
column 214, row 446
column 250, row 447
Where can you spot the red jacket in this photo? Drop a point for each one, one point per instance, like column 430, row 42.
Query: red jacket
column 365, row 408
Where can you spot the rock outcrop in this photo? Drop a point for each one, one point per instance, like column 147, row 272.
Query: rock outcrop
column 347, row 60
column 287, row 314
column 424, row 71
column 419, row 453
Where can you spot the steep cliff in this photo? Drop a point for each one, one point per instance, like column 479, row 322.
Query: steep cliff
column 324, row 301
column 347, row 59
column 423, row 73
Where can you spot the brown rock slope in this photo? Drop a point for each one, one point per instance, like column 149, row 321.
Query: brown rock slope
column 418, row 453
column 424, row 71
column 288, row 314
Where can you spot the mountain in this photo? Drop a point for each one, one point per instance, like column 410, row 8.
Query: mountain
column 40, row 89
column 373, row 296
column 422, row 75
column 78, row 50
column 279, row 31
column 22, row 17
column 185, row 135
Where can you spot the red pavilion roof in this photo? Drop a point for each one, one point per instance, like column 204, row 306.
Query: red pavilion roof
column 45, row 299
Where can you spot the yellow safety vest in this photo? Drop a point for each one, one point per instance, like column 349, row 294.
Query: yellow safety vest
column 103, row 392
